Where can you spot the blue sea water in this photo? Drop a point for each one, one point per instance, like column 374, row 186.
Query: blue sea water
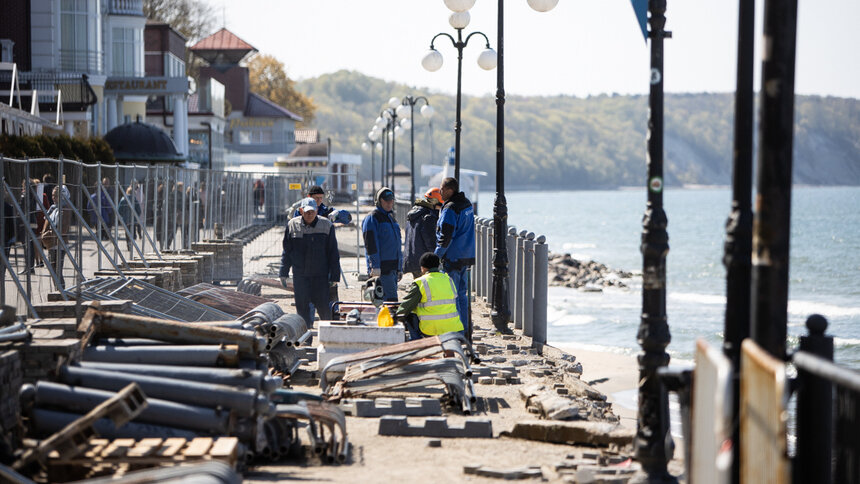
column 606, row 226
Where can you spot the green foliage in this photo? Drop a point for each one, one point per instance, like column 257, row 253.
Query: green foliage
column 596, row 142
column 88, row 150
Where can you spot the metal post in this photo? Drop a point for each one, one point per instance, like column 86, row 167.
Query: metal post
column 528, row 283
column 457, row 124
column 738, row 246
column 412, row 151
column 97, row 205
column 3, row 222
column 814, row 410
column 511, row 246
column 772, row 220
column 501, row 312
column 654, row 445
column 540, row 290
column 518, row 315
column 486, row 273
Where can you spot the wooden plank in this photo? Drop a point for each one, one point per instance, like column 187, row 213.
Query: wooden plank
column 198, row 447
column 118, row 448
column 96, row 447
column 145, row 447
column 171, row 446
column 763, row 451
column 710, row 449
column 226, row 449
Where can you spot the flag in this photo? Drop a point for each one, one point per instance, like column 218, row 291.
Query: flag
column 640, row 8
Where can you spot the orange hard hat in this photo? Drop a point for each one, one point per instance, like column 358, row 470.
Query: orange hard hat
column 434, row 193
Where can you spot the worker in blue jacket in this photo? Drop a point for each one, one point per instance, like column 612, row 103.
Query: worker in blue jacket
column 318, row 194
column 455, row 242
column 383, row 244
column 310, row 250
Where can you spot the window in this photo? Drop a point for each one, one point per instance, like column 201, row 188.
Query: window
column 255, row 137
column 77, row 37
column 126, row 50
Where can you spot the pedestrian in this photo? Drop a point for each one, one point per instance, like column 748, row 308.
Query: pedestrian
column 36, row 220
column 318, row 194
column 259, row 195
column 455, row 242
column 430, row 306
column 100, row 204
column 421, row 230
column 126, row 205
column 61, row 219
column 310, row 250
column 382, row 243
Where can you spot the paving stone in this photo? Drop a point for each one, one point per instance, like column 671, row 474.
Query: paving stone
column 509, row 337
column 498, row 359
column 434, row 443
column 500, row 381
column 511, row 346
column 514, row 381
column 519, row 363
column 485, row 380
column 436, row 427
column 561, row 391
column 506, row 474
column 413, row 407
column 576, row 432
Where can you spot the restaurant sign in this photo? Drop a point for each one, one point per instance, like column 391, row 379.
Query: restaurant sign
column 146, row 85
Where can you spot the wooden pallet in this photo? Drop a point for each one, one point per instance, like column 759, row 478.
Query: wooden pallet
column 115, row 457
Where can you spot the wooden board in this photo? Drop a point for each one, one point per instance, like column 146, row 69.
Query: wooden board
column 710, row 449
column 153, row 451
column 763, row 417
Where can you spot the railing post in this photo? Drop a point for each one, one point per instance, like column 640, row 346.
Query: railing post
column 512, row 270
column 528, row 283
column 541, row 255
column 518, row 317
column 488, row 269
column 813, row 462
column 478, row 281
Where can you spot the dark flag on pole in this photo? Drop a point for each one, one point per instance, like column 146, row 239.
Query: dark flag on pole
column 640, row 8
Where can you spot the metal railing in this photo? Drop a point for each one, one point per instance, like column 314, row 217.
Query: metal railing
column 73, row 89
column 828, row 412
column 126, row 7
column 528, row 261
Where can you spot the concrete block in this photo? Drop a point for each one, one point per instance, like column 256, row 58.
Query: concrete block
column 485, row 380
column 500, row 381
column 413, row 407
column 436, row 427
column 358, row 335
column 576, row 432
column 506, row 474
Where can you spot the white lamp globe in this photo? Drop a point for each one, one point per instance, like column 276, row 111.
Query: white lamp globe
column 459, row 20
column 403, row 111
column 365, row 146
column 394, row 102
column 380, row 123
column 390, row 135
column 406, row 123
column 459, row 5
column 432, row 60
column 398, row 131
column 386, row 115
column 379, row 146
column 427, row 111
column 543, row 5
column 487, row 59
column 374, row 134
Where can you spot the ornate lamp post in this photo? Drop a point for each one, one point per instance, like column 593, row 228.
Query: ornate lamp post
column 432, row 60
column 406, row 123
column 653, row 442
column 371, row 145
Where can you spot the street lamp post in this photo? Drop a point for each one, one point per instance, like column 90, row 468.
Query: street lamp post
column 427, row 113
column 432, row 61
column 501, row 313
column 654, row 446
column 370, row 145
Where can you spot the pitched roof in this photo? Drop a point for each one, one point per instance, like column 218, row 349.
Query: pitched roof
column 260, row 107
column 223, row 40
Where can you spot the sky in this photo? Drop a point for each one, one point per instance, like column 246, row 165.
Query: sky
column 580, row 48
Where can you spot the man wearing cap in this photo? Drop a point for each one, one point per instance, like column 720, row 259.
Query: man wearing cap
column 421, row 230
column 430, row 307
column 310, row 249
column 318, row 194
column 382, row 243
column 455, row 240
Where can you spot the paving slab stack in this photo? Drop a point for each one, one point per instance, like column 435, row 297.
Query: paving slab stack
column 227, row 261
column 341, row 339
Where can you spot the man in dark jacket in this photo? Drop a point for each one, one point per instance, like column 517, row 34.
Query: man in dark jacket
column 455, row 242
column 310, row 249
column 421, row 230
column 318, row 194
column 382, row 243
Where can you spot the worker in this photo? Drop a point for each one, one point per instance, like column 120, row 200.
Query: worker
column 455, row 241
column 430, row 307
column 310, row 250
column 382, row 243
column 421, row 230
column 318, row 194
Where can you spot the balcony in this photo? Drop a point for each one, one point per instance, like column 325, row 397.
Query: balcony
column 83, row 61
column 74, row 90
column 126, row 7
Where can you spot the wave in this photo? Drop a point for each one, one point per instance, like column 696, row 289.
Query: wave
column 807, row 308
column 569, row 345
column 578, row 245
column 697, row 298
column 843, row 342
column 572, row 320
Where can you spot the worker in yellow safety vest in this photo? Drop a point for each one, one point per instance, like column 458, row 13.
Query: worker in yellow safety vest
column 430, row 306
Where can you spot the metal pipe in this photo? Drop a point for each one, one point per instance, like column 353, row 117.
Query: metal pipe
column 200, row 355
column 48, row 422
column 510, row 277
column 246, row 403
column 541, row 266
column 254, row 379
column 159, row 412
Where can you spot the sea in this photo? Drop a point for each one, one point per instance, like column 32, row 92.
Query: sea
column 606, row 226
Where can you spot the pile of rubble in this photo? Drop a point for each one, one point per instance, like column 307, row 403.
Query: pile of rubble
column 566, row 271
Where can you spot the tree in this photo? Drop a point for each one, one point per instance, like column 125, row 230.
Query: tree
column 269, row 79
column 192, row 18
